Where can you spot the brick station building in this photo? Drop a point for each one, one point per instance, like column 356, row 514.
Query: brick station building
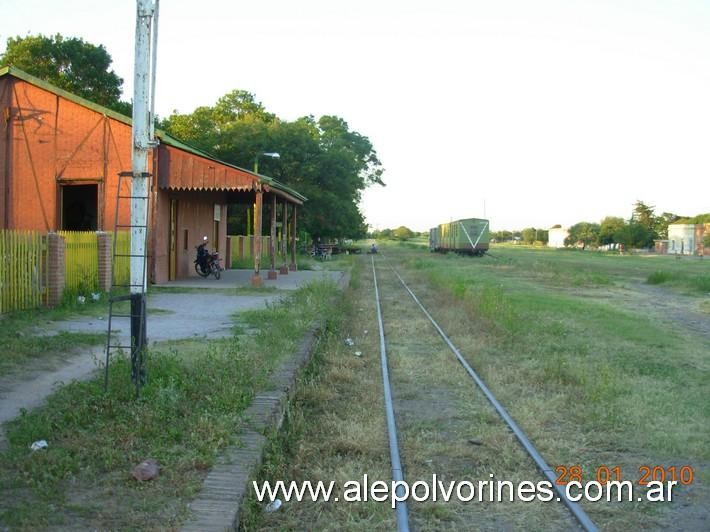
column 60, row 158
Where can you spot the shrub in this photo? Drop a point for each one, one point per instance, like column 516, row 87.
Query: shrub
column 659, row 277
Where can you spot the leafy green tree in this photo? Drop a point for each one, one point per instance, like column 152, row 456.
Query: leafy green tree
column 699, row 219
column 528, row 235
column 402, row 233
column 643, row 227
column 323, row 159
column 382, row 234
column 541, row 235
column 584, row 233
column 635, row 235
column 643, row 214
column 235, row 129
column 610, row 227
column 69, row 63
column 502, row 236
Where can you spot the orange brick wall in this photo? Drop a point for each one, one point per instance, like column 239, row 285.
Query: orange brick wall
column 195, row 213
column 55, row 142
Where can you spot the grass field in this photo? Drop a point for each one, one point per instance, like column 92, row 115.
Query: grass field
column 569, row 313
column 602, row 359
column 599, row 362
column 188, row 411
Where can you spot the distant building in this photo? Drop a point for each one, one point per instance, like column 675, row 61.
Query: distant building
column 556, row 237
column 686, row 239
column 661, row 246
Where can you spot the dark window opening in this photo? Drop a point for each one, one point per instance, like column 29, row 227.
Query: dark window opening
column 186, row 240
column 79, row 207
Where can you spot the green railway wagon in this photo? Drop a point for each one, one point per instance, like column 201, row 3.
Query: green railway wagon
column 470, row 236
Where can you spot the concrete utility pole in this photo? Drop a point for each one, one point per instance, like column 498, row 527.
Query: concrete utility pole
column 143, row 142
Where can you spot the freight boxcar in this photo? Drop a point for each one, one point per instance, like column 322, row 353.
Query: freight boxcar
column 470, row 237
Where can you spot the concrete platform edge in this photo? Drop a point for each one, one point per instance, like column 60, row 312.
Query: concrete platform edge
column 227, row 484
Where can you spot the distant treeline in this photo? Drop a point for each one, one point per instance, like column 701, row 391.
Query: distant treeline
column 400, row 233
column 639, row 231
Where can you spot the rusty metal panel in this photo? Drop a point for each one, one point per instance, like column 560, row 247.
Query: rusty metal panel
column 180, row 170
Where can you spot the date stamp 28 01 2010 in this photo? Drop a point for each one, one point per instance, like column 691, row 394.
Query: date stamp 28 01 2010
column 684, row 475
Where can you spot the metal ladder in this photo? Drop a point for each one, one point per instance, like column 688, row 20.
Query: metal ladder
column 137, row 315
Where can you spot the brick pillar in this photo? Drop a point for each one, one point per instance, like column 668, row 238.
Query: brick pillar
column 103, row 240
column 55, row 269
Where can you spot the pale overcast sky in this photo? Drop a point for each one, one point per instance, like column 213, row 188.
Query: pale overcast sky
column 550, row 111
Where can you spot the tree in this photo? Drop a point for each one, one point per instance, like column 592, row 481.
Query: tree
column 635, row 235
column 642, row 228
column 541, row 235
column 528, row 235
column 502, row 236
column 402, row 233
column 584, row 233
column 699, row 219
column 323, row 159
column 643, row 214
column 609, row 230
column 69, row 63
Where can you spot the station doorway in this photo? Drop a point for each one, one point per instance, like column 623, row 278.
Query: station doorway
column 79, row 207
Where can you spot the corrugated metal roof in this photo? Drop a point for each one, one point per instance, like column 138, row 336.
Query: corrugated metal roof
column 270, row 182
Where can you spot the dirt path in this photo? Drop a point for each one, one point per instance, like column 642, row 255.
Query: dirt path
column 176, row 319
column 682, row 313
column 206, row 313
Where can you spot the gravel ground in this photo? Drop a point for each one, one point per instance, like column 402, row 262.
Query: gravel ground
column 190, row 314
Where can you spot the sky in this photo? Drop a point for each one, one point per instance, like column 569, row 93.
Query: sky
column 530, row 113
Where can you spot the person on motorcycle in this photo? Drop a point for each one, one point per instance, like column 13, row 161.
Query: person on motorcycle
column 203, row 254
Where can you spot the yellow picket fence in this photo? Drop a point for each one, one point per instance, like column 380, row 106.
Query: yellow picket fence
column 122, row 265
column 81, row 261
column 241, row 248
column 23, row 275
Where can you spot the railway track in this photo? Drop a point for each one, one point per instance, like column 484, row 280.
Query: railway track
column 401, row 508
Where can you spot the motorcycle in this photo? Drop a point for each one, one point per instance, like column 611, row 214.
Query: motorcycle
column 207, row 263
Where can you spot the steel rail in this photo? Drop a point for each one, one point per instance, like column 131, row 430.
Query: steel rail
column 397, row 476
column 574, row 508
